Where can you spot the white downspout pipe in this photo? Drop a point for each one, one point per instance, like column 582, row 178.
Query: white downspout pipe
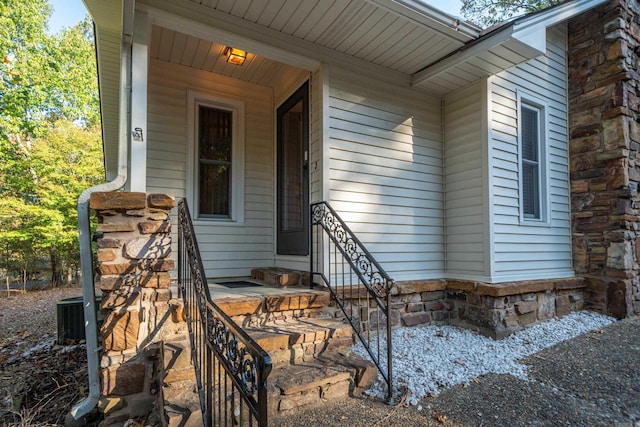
column 86, row 260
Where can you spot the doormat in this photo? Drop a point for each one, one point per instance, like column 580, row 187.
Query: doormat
column 238, row 284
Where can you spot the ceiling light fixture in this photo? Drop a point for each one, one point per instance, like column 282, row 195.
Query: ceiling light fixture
column 235, row 56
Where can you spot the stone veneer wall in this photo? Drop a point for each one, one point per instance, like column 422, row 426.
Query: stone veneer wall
column 495, row 310
column 604, row 97
column 133, row 273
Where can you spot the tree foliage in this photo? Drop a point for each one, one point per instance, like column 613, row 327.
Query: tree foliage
column 490, row 12
column 58, row 167
column 44, row 77
column 49, row 137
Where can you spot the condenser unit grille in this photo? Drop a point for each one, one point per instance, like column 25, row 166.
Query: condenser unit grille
column 70, row 315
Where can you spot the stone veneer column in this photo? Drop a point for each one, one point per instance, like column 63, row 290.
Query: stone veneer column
column 605, row 154
column 133, row 273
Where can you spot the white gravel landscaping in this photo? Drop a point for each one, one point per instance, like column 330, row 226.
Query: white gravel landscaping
column 430, row 359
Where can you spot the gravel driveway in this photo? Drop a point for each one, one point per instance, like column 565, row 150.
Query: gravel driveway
column 591, row 380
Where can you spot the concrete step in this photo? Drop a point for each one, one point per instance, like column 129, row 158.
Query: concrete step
column 259, row 309
column 181, row 404
column 331, row 377
column 301, row 340
column 312, row 363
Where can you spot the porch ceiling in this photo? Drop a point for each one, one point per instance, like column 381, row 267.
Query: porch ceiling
column 399, row 35
column 178, row 48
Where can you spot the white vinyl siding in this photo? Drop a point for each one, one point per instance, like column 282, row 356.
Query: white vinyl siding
column 525, row 249
column 227, row 250
column 316, row 123
column 386, row 173
column 465, row 187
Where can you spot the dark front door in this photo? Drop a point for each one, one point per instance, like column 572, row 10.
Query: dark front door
column 293, row 174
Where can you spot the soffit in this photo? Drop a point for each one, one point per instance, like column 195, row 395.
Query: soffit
column 380, row 32
column 179, row 48
column 497, row 49
column 107, row 17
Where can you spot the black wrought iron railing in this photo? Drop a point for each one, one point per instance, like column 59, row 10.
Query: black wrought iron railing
column 360, row 286
column 231, row 368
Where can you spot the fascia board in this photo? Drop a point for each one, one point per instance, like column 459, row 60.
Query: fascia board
column 552, row 16
column 530, row 32
column 462, row 55
column 428, row 16
column 107, row 14
column 108, row 18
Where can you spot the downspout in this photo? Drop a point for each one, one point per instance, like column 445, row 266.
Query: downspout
column 86, row 260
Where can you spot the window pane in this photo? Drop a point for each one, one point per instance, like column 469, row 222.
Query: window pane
column 530, row 191
column 215, row 189
column 214, row 161
column 215, row 134
column 529, row 134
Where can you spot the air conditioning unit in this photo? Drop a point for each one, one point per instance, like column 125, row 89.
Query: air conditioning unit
column 70, row 315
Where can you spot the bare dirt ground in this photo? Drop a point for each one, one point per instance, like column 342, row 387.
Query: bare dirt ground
column 39, row 380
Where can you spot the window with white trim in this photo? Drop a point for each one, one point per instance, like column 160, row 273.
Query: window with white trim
column 532, row 132
column 215, row 151
column 217, row 158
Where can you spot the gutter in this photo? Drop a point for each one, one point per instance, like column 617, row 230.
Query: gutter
column 422, row 13
column 528, row 30
column 86, row 260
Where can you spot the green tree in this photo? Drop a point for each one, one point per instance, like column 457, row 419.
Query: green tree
column 490, row 12
column 66, row 162
column 62, row 163
column 24, row 230
column 49, row 137
column 44, row 77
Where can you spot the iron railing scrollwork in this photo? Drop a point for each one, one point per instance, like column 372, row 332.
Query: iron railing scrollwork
column 360, row 286
column 231, row 368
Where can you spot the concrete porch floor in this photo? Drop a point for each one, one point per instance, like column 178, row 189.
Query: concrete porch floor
column 218, row 291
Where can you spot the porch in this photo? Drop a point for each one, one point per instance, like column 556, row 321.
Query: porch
column 308, row 347
column 299, row 338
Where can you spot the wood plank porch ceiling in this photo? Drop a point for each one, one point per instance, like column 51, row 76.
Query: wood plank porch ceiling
column 362, row 29
column 398, row 38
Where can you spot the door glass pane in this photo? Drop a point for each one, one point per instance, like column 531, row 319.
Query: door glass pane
column 292, row 167
column 293, row 175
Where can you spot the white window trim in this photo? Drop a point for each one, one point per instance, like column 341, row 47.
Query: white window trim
column 237, row 108
column 531, row 101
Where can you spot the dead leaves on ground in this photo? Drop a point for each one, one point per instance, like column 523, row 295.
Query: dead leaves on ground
column 439, row 417
column 44, row 384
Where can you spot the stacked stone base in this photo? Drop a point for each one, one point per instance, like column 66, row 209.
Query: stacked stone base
column 281, row 277
column 495, row 310
column 133, row 254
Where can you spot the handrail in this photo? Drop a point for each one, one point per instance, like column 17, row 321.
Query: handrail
column 222, row 351
column 374, row 331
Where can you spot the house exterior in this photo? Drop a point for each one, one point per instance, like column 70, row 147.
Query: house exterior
column 412, row 126
column 469, row 162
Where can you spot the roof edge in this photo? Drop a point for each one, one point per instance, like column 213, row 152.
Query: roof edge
column 424, row 14
column 530, row 30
